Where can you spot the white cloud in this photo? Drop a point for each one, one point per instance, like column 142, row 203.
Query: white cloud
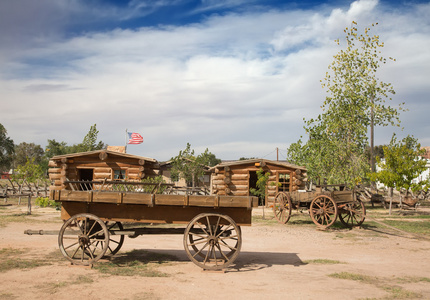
column 239, row 84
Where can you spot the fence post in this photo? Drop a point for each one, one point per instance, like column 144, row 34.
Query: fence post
column 29, row 205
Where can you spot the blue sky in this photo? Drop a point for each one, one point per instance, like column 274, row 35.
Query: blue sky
column 237, row 77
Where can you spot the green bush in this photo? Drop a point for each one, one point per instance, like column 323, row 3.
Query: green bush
column 45, row 202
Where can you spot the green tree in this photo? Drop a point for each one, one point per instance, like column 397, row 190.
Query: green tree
column 356, row 103
column 90, row 142
column 6, row 149
column 402, row 164
column 25, row 151
column 191, row 167
column 56, row 148
column 30, row 172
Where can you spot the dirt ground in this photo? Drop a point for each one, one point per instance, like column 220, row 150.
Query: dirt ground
column 276, row 262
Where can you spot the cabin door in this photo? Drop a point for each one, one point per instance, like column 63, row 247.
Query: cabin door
column 252, row 184
column 85, row 175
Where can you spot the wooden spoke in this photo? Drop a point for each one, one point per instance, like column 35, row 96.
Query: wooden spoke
column 282, row 207
column 115, row 240
column 352, row 214
column 323, row 210
column 212, row 241
column 87, row 245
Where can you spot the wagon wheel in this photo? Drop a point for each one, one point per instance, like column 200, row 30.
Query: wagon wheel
column 352, row 214
column 323, row 211
column 282, row 207
column 115, row 240
column 212, row 241
column 83, row 239
column 195, row 244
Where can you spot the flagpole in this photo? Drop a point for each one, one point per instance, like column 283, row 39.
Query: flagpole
column 126, row 140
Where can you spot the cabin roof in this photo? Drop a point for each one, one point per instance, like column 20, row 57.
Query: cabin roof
column 96, row 152
column 257, row 160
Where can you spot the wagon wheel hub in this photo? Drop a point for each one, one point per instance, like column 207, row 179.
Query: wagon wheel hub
column 84, row 240
column 212, row 240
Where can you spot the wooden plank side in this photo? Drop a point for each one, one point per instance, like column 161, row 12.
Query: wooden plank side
column 158, row 199
column 137, row 198
column 204, row 201
column 170, row 199
column 156, row 214
column 226, row 201
column 78, row 196
column 106, row 197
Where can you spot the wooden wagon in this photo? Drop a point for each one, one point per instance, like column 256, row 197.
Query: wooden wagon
column 98, row 214
column 324, row 206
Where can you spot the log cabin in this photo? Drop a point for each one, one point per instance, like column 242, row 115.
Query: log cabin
column 100, row 165
column 237, row 177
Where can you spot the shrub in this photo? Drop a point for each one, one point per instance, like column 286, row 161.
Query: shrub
column 45, row 202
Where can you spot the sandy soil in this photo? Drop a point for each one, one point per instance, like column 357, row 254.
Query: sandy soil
column 276, row 262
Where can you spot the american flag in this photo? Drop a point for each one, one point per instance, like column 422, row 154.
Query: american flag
column 134, row 138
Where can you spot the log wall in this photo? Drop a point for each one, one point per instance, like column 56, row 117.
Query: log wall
column 61, row 170
column 234, row 180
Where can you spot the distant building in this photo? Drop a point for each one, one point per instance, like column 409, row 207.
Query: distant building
column 427, row 155
column 6, row 175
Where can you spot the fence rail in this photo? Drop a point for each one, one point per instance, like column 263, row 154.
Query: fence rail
column 23, row 188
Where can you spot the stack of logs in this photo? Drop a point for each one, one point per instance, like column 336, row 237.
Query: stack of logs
column 298, row 180
column 227, row 183
column 57, row 173
column 65, row 169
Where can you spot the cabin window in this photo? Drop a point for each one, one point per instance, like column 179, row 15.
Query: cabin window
column 283, row 180
column 119, row 174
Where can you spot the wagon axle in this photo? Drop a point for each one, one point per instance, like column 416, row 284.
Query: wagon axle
column 211, row 241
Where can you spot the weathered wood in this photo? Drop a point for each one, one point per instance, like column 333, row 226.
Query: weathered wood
column 238, row 187
column 239, row 182
column 153, row 199
column 102, row 176
column 217, row 182
column 156, row 214
column 141, row 162
column 240, row 193
column 102, row 170
column 103, row 155
column 53, row 164
column 227, row 180
column 55, row 176
column 133, row 170
column 239, row 177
